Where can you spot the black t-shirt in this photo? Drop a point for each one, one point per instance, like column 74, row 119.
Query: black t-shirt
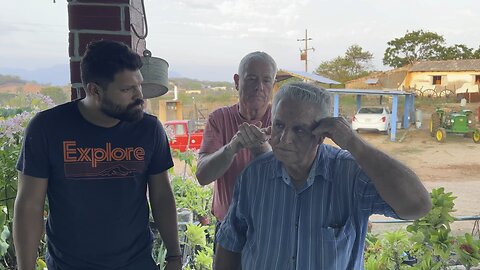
column 97, row 184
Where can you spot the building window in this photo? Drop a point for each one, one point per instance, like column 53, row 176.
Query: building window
column 437, row 80
column 477, row 79
column 180, row 130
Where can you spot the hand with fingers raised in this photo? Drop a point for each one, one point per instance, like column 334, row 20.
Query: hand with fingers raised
column 252, row 137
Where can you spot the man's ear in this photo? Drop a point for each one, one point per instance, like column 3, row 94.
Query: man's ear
column 92, row 89
column 236, row 79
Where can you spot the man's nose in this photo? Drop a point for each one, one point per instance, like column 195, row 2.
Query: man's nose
column 260, row 85
column 138, row 92
column 286, row 136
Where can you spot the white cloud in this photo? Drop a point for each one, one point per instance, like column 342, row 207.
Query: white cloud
column 202, row 4
column 227, row 26
column 201, row 33
column 284, row 11
column 260, row 30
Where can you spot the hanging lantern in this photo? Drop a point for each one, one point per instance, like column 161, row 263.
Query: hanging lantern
column 155, row 75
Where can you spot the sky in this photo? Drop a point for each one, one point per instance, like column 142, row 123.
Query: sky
column 205, row 39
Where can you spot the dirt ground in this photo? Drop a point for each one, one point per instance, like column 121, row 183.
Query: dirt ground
column 454, row 165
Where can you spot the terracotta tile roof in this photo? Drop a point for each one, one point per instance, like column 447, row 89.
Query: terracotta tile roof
column 447, row 65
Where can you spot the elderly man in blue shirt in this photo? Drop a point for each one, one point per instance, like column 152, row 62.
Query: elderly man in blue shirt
column 306, row 205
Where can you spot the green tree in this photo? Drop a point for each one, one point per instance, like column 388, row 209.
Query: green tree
column 55, row 93
column 354, row 64
column 457, row 51
column 414, row 46
column 476, row 54
column 4, row 79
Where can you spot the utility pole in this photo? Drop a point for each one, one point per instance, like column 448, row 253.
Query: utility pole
column 304, row 52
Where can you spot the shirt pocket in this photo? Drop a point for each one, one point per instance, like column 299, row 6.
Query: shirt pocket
column 334, row 246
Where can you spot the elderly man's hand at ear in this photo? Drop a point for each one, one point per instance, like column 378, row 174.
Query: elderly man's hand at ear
column 337, row 129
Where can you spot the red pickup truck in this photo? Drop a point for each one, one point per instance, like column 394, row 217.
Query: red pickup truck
column 186, row 135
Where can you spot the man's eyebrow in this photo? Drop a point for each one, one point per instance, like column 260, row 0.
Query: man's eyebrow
column 303, row 126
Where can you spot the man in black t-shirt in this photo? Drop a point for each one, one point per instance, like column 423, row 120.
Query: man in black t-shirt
column 96, row 159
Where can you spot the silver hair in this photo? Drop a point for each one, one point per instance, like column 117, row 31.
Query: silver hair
column 254, row 56
column 307, row 93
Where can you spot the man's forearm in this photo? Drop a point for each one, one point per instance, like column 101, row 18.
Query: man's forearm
column 27, row 233
column 226, row 260
column 398, row 185
column 213, row 166
column 165, row 216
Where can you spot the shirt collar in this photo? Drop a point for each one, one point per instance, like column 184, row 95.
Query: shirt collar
column 319, row 167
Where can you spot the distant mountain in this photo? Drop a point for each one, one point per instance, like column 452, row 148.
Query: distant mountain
column 193, row 84
column 54, row 75
column 10, row 79
column 59, row 75
column 174, row 74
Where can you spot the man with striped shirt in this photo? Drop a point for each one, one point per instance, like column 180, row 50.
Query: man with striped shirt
column 306, row 205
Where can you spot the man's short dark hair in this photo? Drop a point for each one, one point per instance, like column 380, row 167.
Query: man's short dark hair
column 105, row 58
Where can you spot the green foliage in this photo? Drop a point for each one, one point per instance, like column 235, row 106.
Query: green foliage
column 428, row 240
column 388, row 251
column 202, row 249
column 354, row 64
column 189, row 157
column 8, row 175
column 4, row 236
column 196, row 235
column 11, row 135
column 30, row 102
column 431, row 234
column 55, row 93
column 8, row 112
column 424, row 45
column 204, row 259
column 395, row 245
column 467, row 251
column 5, row 97
column 41, row 265
column 414, row 46
column 189, row 194
column 457, row 51
column 159, row 253
column 373, row 249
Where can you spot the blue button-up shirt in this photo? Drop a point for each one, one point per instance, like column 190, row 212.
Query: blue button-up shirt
column 319, row 226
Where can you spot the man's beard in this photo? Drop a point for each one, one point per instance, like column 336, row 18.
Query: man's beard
column 129, row 114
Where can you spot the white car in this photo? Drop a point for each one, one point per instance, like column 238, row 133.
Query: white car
column 372, row 119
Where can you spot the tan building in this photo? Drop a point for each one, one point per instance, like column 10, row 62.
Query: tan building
column 428, row 78
column 446, row 77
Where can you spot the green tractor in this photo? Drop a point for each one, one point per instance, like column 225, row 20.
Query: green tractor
column 462, row 122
